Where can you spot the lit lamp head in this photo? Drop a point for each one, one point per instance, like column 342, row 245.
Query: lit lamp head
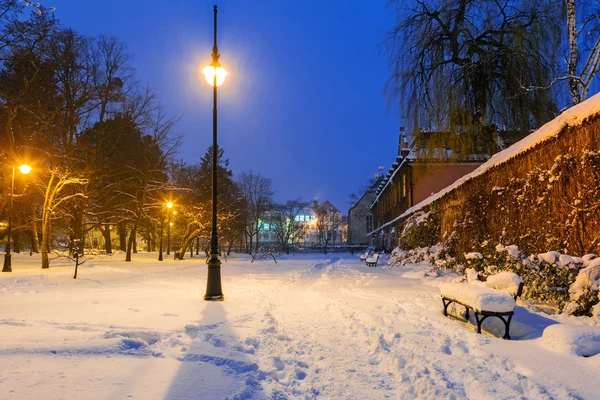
column 169, row 205
column 25, row 169
column 214, row 69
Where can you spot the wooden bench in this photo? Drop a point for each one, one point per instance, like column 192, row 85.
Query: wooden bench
column 484, row 301
column 364, row 256
column 372, row 260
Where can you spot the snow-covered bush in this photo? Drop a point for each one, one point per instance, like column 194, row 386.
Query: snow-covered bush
column 547, row 276
column 584, row 292
column 419, row 230
column 430, row 255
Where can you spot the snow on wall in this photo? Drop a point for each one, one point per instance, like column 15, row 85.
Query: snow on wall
column 574, row 116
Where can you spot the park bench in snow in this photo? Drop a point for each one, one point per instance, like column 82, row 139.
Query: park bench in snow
column 364, row 256
column 372, row 260
column 499, row 300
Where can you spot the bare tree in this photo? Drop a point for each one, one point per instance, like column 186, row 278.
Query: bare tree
column 329, row 220
column 287, row 225
column 459, row 68
column 257, row 193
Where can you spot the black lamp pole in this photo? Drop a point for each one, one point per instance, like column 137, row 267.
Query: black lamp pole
column 169, row 234
column 213, row 282
column 7, row 256
column 162, row 221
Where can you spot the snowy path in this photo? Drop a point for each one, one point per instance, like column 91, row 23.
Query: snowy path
column 306, row 328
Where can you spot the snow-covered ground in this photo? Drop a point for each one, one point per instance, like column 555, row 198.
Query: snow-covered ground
column 308, row 327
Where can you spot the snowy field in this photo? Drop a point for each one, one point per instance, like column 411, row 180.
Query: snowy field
column 308, row 327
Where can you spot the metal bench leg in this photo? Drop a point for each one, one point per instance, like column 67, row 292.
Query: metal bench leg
column 507, row 326
column 446, row 306
column 479, row 321
column 467, row 313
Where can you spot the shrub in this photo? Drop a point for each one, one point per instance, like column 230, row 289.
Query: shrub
column 419, row 230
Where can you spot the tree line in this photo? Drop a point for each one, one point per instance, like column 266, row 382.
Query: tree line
column 463, row 71
column 103, row 149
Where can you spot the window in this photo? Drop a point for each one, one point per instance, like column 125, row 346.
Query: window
column 297, row 218
column 403, row 185
column 273, row 226
column 266, row 227
column 369, row 223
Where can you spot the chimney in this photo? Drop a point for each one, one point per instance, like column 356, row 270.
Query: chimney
column 400, row 142
column 403, row 147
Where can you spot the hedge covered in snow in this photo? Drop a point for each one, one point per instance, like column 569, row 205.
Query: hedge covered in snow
column 572, row 283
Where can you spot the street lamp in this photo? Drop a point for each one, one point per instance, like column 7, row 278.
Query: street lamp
column 215, row 76
column 169, row 233
column 162, row 222
column 24, row 169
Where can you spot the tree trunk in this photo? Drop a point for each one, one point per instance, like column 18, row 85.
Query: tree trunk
column 35, row 244
column 573, row 51
column 131, row 243
column 148, row 241
column 107, row 239
column 122, row 228
column 197, row 245
column 45, row 239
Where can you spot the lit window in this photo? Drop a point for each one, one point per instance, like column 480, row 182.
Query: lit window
column 297, row 218
column 266, row 227
column 302, row 218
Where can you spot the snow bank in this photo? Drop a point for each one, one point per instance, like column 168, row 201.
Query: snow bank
column 579, row 340
column 480, row 298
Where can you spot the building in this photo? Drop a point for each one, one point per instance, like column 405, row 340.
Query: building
column 330, row 224
column 360, row 217
column 410, row 180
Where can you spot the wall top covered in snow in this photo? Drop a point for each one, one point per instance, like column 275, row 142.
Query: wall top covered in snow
column 574, row 116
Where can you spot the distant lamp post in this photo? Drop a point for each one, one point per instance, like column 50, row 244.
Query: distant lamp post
column 215, row 76
column 24, row 169
column 162, row 222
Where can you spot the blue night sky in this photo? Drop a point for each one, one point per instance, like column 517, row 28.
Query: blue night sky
column 303, row 103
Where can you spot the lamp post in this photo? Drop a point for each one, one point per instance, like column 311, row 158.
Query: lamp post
column 169, row 225
column 162, row 222
column 25, row 169
column 215, row 76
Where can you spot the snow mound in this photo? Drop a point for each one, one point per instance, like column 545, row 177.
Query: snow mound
column 549, row 257
column 480, row 298
column 473, row 256
column 588, row 278
column 579, row 340
column 506, row 281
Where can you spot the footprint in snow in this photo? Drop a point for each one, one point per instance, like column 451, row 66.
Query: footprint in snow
column 300, row 374
column 280, row 365
column 168, row 314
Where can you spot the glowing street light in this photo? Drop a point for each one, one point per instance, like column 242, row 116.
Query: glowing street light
column 24, row 169
column 216, row 74
column 214, row 70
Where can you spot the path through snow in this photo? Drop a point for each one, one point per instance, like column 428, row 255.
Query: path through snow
column 306, row 328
